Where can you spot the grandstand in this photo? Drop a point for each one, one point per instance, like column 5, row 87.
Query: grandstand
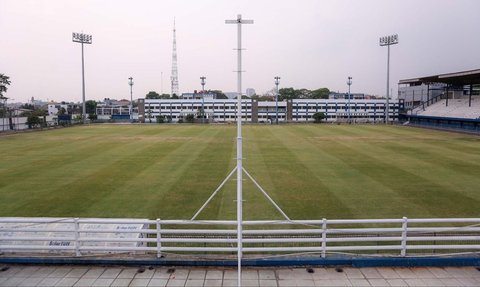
column 457, row 108
column 447, row 100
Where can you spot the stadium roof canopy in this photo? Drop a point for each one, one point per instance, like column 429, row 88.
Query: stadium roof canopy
column 471, row 77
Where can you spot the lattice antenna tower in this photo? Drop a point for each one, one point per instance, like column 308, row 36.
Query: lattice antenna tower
column 174, row 76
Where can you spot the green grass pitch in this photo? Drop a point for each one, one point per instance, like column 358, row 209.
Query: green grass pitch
column 311, row 171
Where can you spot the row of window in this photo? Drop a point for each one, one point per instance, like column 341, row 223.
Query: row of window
column 182, row 107
column 380, row 106
column 335, row 117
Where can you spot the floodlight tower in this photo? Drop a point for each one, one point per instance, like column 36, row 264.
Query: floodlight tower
column 130, row 82
column 83, row 39
column 239, row 21
column 349, row 83
column 388, row 41
column 277, row 82
column 203, row 96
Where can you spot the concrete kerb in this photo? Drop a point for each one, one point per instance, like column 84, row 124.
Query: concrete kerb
column 453, row 261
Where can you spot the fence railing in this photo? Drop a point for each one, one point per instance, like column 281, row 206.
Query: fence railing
column 388, row 237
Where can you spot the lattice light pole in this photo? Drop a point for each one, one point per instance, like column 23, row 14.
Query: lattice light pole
column 130, row 83
column 239, row 21
column 349, row 83
column 277, row 82
column 388, row 41
column 83, row 39
column 174, row 76
column 203, row 96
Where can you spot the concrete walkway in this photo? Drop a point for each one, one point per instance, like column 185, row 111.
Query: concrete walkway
column 163, row 276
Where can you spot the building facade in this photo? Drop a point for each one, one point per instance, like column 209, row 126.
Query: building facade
column 297, row 110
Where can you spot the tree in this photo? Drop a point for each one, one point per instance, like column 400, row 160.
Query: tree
column 302, row 94
column 152, row 95
column 27, row 107
column 91, row 107
column 218, row 94
column 92, row 117
column 160, row 119
column 33, row 121
column 61, row 111
column 286, row 94
column 321, row 93
column 318, row 117
column 291, row 93
column 4, row 82
column 189, row 118
column 35, row 117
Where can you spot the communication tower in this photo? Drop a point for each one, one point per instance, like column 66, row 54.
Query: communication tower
column 174, row 76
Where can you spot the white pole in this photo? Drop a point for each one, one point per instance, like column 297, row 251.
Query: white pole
column 239, row 151
column 388, row 87
column 239, row 23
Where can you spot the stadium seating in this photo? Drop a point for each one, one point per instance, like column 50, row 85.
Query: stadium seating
column 457, row 108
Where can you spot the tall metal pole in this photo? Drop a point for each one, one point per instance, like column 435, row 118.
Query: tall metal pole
column 239, row 23
column 388, row 41
column 203, row 96
column 130, row 82
column 387, row 108
column 84, row 109
column 349, row 83
column 277, row 82
column 83, row 39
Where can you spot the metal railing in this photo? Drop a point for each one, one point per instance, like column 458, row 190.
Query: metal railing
column 386, row 237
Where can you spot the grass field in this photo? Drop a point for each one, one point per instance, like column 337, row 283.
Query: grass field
column 312, row 171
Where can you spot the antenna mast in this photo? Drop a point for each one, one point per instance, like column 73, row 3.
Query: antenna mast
column 174, row 76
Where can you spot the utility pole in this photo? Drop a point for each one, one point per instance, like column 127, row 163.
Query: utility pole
column 277, row 81
column 239, row 21
column 83, row 39
column 388, row 41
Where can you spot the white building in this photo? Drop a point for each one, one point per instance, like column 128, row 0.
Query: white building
column 297, row 110
column 250, row 92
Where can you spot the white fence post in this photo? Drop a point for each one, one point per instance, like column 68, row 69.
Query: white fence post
column 403, row 251
column 77, row 236
column 324, row 238
column 159, row 237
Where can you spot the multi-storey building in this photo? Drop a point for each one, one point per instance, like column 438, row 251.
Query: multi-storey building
column 297, row 110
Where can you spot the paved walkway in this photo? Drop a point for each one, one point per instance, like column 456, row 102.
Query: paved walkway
column 163, row 276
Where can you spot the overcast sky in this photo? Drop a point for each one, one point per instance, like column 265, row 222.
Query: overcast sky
column 308, row 43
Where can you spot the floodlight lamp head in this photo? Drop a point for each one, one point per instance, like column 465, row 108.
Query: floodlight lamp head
column 82, row 38
column 389, row 40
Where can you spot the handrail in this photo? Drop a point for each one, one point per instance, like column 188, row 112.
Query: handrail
column 422, row 103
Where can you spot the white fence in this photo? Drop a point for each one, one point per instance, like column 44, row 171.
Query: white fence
column 387, row 237
column 20, row 123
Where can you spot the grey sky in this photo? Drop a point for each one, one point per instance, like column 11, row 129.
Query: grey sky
column 309, row 44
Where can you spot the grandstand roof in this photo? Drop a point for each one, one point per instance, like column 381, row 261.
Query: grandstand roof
column 458, row 78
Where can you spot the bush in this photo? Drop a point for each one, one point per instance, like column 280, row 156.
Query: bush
column 33, row 121
column 92, row 117
column 160, row 119
column 190, row 118
column 318, row 117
